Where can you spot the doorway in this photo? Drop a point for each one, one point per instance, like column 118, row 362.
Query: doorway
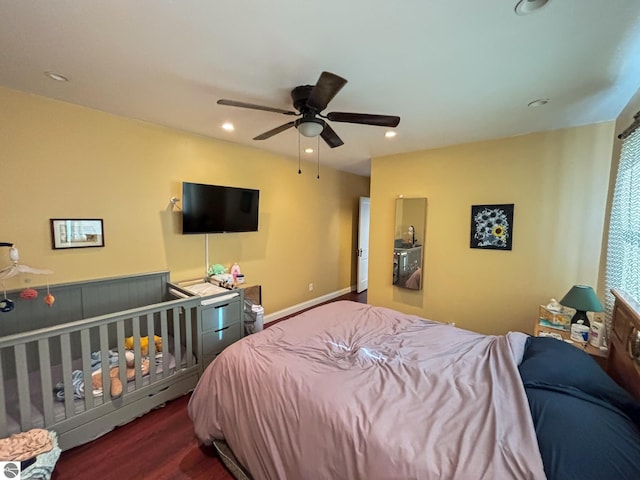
column 363, row 244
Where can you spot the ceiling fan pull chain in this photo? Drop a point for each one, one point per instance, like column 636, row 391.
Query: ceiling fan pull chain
column 299, row 170
column 318, row 137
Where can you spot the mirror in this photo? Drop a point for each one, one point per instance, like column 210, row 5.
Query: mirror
column 408, row 243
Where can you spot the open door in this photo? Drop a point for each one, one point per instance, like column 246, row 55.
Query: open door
column 363, row 245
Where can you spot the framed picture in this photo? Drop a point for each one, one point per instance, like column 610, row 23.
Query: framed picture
column 492, row 226
column 76, row 233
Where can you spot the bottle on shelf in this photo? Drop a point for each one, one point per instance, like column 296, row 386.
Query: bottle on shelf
column 596, row 334
column 235, row 271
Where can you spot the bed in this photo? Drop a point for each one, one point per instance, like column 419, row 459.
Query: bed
column 42, row 367
column 349, row 391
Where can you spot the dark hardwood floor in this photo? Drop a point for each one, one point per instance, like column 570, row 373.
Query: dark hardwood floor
column 159, row 445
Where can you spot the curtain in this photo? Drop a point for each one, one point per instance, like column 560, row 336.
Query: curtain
column 623, row 254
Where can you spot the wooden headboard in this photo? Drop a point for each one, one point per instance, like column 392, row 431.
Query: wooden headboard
column 623, row 364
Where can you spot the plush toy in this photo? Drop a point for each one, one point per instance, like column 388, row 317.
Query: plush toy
column 144, row 344
column 114, row 374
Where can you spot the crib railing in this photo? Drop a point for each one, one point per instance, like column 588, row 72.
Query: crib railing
column 34, row 362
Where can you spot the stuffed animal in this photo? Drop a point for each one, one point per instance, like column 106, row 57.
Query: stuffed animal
column 114, row 374
column 144, row 344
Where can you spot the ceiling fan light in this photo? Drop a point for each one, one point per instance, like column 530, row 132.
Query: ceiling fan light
column 310, row 128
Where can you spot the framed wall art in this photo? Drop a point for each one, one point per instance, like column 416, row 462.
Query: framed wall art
column 76, row 233
column 492, row 226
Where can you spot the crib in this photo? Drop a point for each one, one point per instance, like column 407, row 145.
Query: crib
column 42, row 351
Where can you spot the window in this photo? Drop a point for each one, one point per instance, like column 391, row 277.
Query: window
column 623, row 254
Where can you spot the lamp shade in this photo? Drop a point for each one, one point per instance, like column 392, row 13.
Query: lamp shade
column 583, row 298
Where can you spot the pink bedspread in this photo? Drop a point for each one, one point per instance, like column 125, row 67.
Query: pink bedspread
column 353, row 391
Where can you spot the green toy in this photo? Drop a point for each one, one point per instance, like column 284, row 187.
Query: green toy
column 216, row 269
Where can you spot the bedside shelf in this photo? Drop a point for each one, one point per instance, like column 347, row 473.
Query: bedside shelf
column 597, row 354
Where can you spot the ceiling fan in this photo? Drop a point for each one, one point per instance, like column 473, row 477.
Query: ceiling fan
column 309, row 101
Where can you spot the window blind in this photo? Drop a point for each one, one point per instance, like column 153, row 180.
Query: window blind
column 623, row 251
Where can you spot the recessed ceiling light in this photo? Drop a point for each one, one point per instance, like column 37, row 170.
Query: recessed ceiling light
column 228, row 127
column 308, row 150
column 539, row 102
column 525, row 7
column 56, row 76
column 390, row 134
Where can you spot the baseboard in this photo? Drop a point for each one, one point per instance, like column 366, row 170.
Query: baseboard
column 308, row 304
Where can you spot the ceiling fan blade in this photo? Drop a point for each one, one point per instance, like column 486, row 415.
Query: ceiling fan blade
column 364, row 118
column 329, row 84
column 233, row 103
column 331, row 137
column 275, row 131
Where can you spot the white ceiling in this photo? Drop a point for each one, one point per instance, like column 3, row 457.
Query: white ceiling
column 454, row 72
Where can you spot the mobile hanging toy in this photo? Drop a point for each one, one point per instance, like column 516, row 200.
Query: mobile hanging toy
column 6, row 305
column 49, row 299
column 14, row 269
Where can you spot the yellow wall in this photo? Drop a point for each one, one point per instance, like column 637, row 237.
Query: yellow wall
column 558, row 182
column 62, row 161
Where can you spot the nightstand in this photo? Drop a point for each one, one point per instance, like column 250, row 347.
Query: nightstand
column 598, row 355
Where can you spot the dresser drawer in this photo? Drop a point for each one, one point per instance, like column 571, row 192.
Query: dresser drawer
column 220, row 316
column 215, row 341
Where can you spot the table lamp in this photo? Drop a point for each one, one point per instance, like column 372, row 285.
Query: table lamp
column 583, row 299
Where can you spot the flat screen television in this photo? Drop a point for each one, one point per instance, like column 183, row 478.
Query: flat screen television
column 218, row 209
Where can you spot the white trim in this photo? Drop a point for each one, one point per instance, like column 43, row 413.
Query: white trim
column 308, row 304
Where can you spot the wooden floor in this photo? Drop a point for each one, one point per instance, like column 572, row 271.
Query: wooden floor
column 159, row 445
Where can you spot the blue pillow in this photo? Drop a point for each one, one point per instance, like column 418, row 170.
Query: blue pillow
column 555, row 365
column 582, row 440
